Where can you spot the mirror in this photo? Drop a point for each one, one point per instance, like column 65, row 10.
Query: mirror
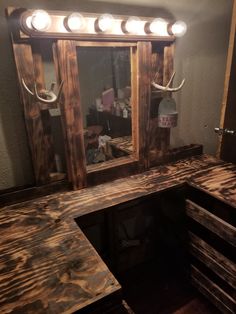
column 52, row 117
column 105, row 94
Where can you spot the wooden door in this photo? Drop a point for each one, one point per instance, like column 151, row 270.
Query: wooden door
column 227, row 144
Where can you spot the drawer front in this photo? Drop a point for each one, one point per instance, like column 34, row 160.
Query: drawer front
column 219, row 264
column 224, row 302
column 210, row 221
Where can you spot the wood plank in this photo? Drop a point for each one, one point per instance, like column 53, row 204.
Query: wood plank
column 218, row 226
column 144, row 50
column 71, row 113
column 47, row 264
column 213, row 292
column 29, row 67
column 162, row 142
column 37, row 48
column 168, row 70
column 155, row 133
column 26, row 193
column 126, row 160
column 104, row 44
column 60, row 105
column 157, row 65
column 135, row 102
column 218, row 182
column 218, row 263
column 34, row 125
column 57, row 271
column 157, row 157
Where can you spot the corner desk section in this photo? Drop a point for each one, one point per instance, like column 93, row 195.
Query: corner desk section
column 47, row 265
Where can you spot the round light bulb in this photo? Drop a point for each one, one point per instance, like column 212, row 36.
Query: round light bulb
column 133, row 25
column 28, row 21
column 105, row 22
column 75, row 22
column 41, row 20
column 179, row 28
column 159, row 27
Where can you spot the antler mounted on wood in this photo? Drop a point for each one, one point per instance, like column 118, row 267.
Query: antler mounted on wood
column 167, row 88
column 45, row 96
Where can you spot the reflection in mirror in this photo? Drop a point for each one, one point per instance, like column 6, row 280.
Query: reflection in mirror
column 105, row 92
column 52, row 118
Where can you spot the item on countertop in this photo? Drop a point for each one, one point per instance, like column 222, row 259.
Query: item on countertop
column 125, row 113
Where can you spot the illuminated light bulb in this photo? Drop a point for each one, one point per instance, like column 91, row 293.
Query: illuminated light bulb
column 179, row 28
column 104, row 23
column 159, row 27
column 75, row 22
column 132, row 25
column 28, row 22
column 41, row 20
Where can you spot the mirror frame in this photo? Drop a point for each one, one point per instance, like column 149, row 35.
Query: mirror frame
column 28, row 58
column 133, row 51
column 69, row 73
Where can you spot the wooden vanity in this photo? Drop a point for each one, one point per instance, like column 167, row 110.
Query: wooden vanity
column 61, row 253
column 49, row 266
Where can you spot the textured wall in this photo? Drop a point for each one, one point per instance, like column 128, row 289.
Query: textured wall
column 200, row 57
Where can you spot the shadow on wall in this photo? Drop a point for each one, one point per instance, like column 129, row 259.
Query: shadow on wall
column 203, row 65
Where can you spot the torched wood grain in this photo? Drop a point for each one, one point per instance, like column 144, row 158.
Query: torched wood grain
column 162, row 63
column 71, row 113
column 34, row 125
column 157, row 64
column 210, row 221
column 212, row 291
column 168, row 69
column 46, row 263
column 222, row 266
column 48, row 266
column 37, row 48
column 144, row 50
column 219, row 181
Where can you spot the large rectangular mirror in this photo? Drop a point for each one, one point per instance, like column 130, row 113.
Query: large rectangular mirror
column 106, row 101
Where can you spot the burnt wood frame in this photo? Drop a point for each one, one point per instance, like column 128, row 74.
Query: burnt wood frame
column 144, row 63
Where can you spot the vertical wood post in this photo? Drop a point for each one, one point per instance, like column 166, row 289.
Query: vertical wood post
column 71, row 113
column 144, row 51
column 25, row 69
column 37, row 47
column 167, row 72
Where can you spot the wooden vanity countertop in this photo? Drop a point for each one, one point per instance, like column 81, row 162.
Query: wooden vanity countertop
column 47, row 265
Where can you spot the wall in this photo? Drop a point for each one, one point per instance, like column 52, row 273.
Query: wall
column 200, row 57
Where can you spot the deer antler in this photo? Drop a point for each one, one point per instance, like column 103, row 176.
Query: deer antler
column 46, row 93
column 167, row 88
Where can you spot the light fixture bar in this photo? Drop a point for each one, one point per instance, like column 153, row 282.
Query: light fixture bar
column 82, row 25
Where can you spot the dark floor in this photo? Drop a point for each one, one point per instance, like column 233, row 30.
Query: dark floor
column 148, row 291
